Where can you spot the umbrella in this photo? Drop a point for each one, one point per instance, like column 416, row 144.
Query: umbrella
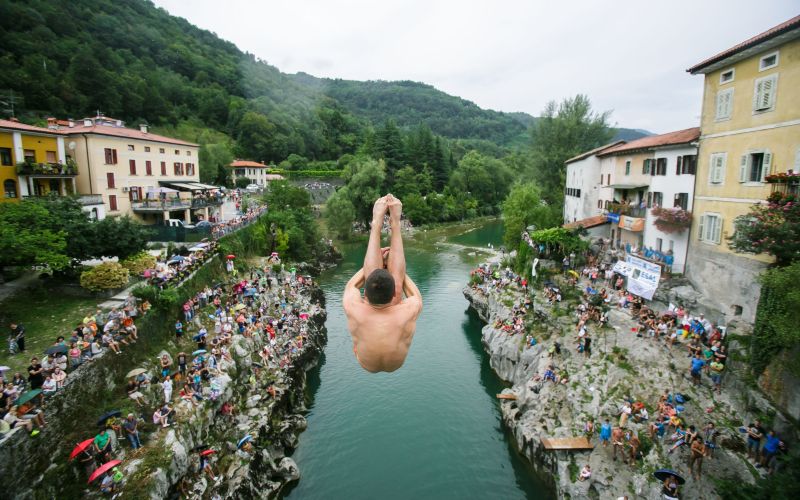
column 25, row 397
column 198, row 337
column 663, row 474
column 207, row 453
column 259, row 365
column 244, row 440
column 275, row 254
column 177, row 258
column 135, row 373
column 4, row 368
column 198, row 352
column 231, row 256
column 574, row 273
column 199, row 447
column 112, row 413
column 80, row 448
column 103, row 469
column 56, row 349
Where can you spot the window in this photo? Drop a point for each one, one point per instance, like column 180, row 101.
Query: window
column 655, row 199
column 163, row 168
column 10, row 188
column 50, row 156
column 111, row 156
column 659, row 244
column 573, row 192
column 628, row 167
column 112, row 202
column 132, row 165
column 608, row 179
column 178, row 168
column 5, row 157
column 601, row 179
column 110, row 180
column 727, row 76
column 130, row 147
column 190, row 169
column 724, row 105
column 681, row 200
column 147, row 149
column 600, row 204
column 671, row 245
column 661, row 167
column 754, row 167
column 30, row 155
column 687, row 164
column 135, row 193
column 710, row 228
column 716, row 174
column 188, row 153
column 161, row 150
column 768, row 61
column 148, row 168
column 764, row 94
column 647, row 166
column 177, row 151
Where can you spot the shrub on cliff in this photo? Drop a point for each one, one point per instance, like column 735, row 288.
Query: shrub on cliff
column 137, row 264
column 106, row 276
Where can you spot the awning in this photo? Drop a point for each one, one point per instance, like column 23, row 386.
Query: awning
column 152, row 189
column 188, row 186
column 205, row 186
column 628, row 186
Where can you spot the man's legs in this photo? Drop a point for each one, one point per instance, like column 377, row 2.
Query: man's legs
column 374, row 258
column 396, row 264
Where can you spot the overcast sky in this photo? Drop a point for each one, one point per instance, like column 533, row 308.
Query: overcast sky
column 629, row 56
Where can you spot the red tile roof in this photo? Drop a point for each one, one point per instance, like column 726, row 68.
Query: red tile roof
column 247, row 163
column 594, row 151
column 789, row 25
column 10, row 124
column 127, row 133
column 597, row 220
column 653, row 141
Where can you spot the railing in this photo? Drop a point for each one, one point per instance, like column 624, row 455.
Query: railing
column 90, row 199
column 28, row 167
column 206, row 202
column 153, row 205
column 631, row 210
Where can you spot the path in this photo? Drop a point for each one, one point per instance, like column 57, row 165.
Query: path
column 10, row 288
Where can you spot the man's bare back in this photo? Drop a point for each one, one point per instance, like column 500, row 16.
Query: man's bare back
column 381, row 322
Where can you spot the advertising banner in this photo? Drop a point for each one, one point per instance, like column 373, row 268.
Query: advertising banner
column 643, row 277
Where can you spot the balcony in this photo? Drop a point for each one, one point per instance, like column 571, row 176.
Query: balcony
column 33, row 169
column 90, row 199
column 786, row 183
column 625, row 209
column 152, row 206
column 206, row 202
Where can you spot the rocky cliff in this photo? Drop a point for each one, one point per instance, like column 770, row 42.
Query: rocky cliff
column 621, row 367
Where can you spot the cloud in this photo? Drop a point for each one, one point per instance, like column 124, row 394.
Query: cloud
column 513, row 55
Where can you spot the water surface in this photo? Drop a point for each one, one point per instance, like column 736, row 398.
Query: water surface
column 429, row 430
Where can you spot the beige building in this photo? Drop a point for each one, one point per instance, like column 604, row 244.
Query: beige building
column 258, row 173
column 750, row 131
column 150, row 177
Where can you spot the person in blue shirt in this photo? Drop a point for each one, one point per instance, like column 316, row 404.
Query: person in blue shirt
column 605, row 433
column 697, row 364
column 770, row 448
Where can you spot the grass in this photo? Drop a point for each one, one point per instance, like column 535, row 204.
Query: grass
column 44, row 320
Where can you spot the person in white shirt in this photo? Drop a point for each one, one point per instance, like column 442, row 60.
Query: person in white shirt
column 167, row 385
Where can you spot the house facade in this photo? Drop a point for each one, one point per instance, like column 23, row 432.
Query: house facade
column 750, row 129
column 147, row 176
column 583, row 181
column 258, row 173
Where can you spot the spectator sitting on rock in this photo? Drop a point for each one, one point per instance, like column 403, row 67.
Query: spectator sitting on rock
column 586, row 473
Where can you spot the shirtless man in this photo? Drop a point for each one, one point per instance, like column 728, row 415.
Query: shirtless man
column 618, row 442
column 382, row 323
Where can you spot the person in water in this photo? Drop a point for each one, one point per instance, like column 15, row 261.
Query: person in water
column 381, row 322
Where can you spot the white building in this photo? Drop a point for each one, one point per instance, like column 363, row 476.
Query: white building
column 584, row 181
column 258, row 173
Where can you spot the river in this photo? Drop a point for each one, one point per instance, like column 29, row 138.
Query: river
column 431, row 430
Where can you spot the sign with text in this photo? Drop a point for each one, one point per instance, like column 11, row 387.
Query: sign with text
column 635, row 224
column 643, row 277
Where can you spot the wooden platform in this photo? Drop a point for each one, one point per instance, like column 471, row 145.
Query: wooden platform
column 574, row 443
column 507, row 396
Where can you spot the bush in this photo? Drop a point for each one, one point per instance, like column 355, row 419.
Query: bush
column 106, row 276
column 137, row 264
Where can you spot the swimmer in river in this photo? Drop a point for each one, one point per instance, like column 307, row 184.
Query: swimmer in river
column 381, row 322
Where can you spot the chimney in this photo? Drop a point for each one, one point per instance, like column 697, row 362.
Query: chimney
column 143, row 128
column 52, row 123
column 119, row 123
column 87, row 122
column 71, row 122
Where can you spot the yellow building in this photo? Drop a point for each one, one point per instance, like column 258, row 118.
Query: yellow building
column 750, row 128
column 33, row 162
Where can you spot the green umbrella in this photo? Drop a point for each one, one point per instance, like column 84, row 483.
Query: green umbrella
column 24, row 398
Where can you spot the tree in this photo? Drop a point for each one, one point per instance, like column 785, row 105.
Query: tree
column 214, row 159
column 389, row 148
column 26, row 237
column 243, row 182
column 773, row 228
column 485, row 179
column 524, row 207
column 562, row 132
column 405, row 183
column 364, row 178
column 118, row 237
column 340, row 214
column 283, row 195
column 416, row 209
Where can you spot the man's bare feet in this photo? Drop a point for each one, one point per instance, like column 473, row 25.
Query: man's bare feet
column 379, row 209
column 395, row 208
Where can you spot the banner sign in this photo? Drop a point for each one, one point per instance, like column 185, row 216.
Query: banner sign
column 635, row 224
column 643, row 277
column 612, row 218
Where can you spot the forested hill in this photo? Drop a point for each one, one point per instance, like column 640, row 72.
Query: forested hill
column 134, row 61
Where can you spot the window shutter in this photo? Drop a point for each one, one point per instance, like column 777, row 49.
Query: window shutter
column 692, row 160
column 163, row 168
column 701, row 226
column 112, row 202
column 110, row 180
column 140, row 193
column 720, row 105
column 765, row 168
column 759, row 91
column 717, row 230
column 767, row 93
column 114, row 156
column 132, row 165
column 678, row 165
column 743, row 169
column 649, row 200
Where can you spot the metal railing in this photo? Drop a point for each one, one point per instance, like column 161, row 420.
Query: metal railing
column 161, row 205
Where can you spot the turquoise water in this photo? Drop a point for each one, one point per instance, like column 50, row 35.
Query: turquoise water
column 429, row 430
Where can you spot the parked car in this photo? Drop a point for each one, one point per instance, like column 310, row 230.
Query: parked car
column 178, row 223
column 204, row 224
column 253, row 188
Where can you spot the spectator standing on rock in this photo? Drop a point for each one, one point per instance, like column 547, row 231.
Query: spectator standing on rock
column 605, row 433
column 697, row 365
column 18, row 336
column 167, row 385
column 131, row 425
column 634, row 443
column 624, row 414
column 770, row 449
column 617, row 441
column 698, row 452
column 754, row 434
column 35, row 375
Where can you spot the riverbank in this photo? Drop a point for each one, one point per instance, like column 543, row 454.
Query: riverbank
column 622, row 367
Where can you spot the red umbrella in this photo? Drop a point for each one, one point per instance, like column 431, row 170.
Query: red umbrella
column 80, row 448
column 206, row 453
column 103, row 469
column 231, row 256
